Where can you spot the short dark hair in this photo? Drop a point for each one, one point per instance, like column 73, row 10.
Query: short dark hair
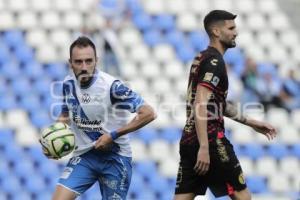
column 216, row 16
column 82, row 41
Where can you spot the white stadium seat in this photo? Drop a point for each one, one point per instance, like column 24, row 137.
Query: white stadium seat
column 289, row 165
column 7, row 20
column 289, row 37
column 50, row 20
column 130, row 37
column 73, row 20
column 277, row 116
column 85, row 6
column 63, row 5
column 274, row 181
column 46, row 53
column 198, row 7
column 256, row 21
column 138, row 84
column 2, row 4
column 169, row 167
column 222, row 4
column 267, row 6
column 36, row 37
column 17, row 5
column 245, row 38
column 173, row 69
column 247, row 165
column 40, row 6
column 288, row 134
column 175, row 6
column 154, row 7
column 130, row 70
column 140, row 53
column 243, row 135
column 267, row 38
column 161, row 85
column 16, row 119
column 295, row 116
column 58, row 35
column 277, row 54
column 279, row 21
column 163, row 53
column 159, row 150
column 150, row 69
column 266, row 166
column 139, row 150
column 27, row 135
column 187, row 22
column 27, row 20
column 245, row 6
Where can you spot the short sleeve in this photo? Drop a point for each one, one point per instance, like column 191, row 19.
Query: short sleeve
column 122, row 97
column 210, row 72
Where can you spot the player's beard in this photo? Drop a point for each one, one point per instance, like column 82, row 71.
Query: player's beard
column 229, row 43
column 84, row 78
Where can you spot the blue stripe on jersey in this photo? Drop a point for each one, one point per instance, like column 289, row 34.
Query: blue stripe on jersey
column 123, row 97
column 71, row 98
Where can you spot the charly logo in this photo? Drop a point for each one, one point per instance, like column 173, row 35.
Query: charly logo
column 86, row 98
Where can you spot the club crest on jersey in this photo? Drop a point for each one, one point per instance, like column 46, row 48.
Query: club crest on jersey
column 85, row 98
column 208, row 76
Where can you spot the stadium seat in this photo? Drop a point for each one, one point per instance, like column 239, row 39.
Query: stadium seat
column 34, row 184
column 7, row 20
column 277, row 150
column 5, row 55
column 257, row 184
column 26, row 135
column 21, row 86
column 199, row 40
column 139, row 151
column 16, row 118
column 288, row 134
column 153, row 37
column 159, row 185
column 171, row 134
column 40, row 118
column 289, row 165
column 50, row 19
column 38, row 6
column 164, row 22
column 8, row 102
column 268, row 6
column 186, row 53
column 176, row 7
column 46, row 53
column 247, row 165
column 154, row 7
column 175, row 38
column 27, row 20
column 137, row 185
column 130, row 37
column 186, row 22
column 295, row 150
column 169, row 166
column 32, row 70
column 266, row 166
column 13, row 38
column 140, row 53
column 295, row 116
column 64, row 5
column 36, row 155
column 57, row 71
column 163, row 52
column 143, row 21
column 30, row 102
column 156, row 147
column 284, row 185
column 147, row 135
column 11, row 185
column 24, row 168
column 243, row 135
column 254, row 150
column 36, row 37
column 279, row 21
column 72, row 20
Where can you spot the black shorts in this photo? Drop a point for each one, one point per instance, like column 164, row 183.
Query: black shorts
column 224, row 176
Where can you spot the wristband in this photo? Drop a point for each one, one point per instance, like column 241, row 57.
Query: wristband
column 114, row 135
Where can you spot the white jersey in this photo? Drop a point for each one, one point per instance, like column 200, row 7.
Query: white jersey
column 100, row 107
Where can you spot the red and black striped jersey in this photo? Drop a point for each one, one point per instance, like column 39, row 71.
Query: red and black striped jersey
column 208, row 69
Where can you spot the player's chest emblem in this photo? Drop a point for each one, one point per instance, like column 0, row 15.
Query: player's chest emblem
column 85, row 98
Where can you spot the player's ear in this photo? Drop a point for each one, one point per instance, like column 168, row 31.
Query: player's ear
column 216, row 31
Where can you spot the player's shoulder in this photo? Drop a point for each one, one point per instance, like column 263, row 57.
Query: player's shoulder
column 107, row 77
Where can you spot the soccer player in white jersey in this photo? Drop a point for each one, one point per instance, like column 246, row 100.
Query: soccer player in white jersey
column 96, row 105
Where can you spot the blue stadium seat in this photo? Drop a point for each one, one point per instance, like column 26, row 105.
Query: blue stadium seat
column 36, row 154
column 24, row 168
column 143, row 21
column 153, row 37
column 24, row 53
column 10, row 152
column 254, row 150
column 171, row 134
column 5, row 55
column 137, row 184
column 41, row 118
column 10, row 70
column 30, row 102
column 198, row 40
column 33, row 70
column 13, row 38
column 34, row 184
column 48, row 169
column 257, row 184
column 147, row 135
column 42, row 85
column 147, row 169
column 185, row 53
column 277, row 150
column 4, row 168
column 93, row 193
column 21, row 86
column 159, row 185
column 164, row 22
column 235, row 58
column 57, row 71
column 6, row 137
column 45, row 195
column 134, row 7
column 295, row 150
column 11, row 185
column 8, row 102
column 175, row 38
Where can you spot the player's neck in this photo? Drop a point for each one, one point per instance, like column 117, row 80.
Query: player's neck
column 218, row 46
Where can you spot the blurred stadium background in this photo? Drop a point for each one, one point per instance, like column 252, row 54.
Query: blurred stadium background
column 150, row 44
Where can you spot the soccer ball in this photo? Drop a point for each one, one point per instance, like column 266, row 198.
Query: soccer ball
column 58, row 140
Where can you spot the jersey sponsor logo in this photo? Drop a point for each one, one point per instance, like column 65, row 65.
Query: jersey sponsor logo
column 75, row 160
column 85, row 98
column 87, row 125
column 66, row 173
column 208, row 76
column 215, row 80
column 214, row 62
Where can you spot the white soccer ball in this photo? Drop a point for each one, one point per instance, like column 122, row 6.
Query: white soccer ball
column 58, row 140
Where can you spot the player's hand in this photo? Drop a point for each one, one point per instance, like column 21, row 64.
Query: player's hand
column 104, row 142
column 46, row 153
column 203, row 161
column 264, row 128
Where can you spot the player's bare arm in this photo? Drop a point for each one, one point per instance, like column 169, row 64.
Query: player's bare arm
column 145, row 115
column 264, row 128
column 200, row 113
